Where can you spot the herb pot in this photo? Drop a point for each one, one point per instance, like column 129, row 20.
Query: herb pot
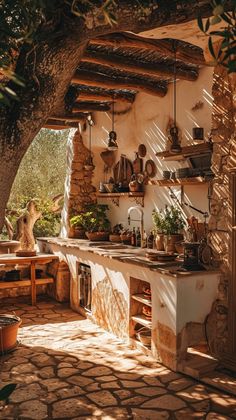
column 98, row 236
column 170, row 240
column 159, row 241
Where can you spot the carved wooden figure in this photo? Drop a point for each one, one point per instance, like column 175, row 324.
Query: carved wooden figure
column 24, row 226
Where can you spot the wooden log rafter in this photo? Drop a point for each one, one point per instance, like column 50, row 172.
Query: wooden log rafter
column 164, row 47
column 112, row 61
column 105, row 96
column 80, row 116
column 91, row 78
column 60, row 125
column 90, row 106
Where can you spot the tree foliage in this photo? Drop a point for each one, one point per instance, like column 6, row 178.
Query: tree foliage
column 24, row 23
column 41, row 176
column 43, row 168
column 225, row 53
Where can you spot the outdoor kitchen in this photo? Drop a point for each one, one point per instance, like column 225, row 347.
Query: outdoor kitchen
column 129, row 278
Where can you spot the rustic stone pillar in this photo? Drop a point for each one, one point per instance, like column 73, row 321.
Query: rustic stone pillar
column 220, row 222
column 79, row 190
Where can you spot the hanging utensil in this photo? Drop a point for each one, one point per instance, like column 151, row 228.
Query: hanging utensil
column 123, row 170
column 137, row 164
column 142, row 151
column 150, row 168
column 108, row 157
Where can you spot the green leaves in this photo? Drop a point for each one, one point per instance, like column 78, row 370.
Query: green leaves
column 6, row 391
column 92, row 220
column 168, row 221
column 225, row 52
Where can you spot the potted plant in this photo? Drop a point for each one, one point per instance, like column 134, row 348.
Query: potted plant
column 158, row 221
column 9, row 325
column 94, row 221
column 168, row 223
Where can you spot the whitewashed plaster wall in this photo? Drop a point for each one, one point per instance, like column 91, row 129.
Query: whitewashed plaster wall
column 146, row 122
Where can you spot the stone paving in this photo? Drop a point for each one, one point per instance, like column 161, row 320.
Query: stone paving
column 68, row 368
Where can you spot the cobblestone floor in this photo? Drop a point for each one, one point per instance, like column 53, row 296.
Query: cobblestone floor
column 68, row 368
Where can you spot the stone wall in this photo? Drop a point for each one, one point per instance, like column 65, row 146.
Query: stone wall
column 223, row 160
column 79, row 190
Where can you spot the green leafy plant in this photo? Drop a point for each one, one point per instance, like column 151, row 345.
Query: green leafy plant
column 93, row 219
column 168, row 221
column 225, row 53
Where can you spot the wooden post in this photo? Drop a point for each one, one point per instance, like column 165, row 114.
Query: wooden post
column 33, row 283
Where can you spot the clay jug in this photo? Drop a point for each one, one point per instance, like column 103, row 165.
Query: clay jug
column 159, row 241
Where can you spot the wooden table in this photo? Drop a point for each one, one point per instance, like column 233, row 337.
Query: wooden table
column 12, row 259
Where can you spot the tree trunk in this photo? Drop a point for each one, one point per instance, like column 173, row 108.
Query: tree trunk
column 49, row 66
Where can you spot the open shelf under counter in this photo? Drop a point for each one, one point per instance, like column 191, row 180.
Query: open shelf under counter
column 115, row 197
column 178, row 181
column 187, row 151
column 134, row 342
column 141, row 319
column 24, row 283
column 141, row 297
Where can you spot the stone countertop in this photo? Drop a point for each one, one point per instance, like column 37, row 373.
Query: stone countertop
column 125, row 254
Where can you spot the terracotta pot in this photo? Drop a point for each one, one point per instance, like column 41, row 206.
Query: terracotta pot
column 9, row 325
column 114, row 238
column 159, row 241
column 98, row 236
column 77, row 232
column 170, row 240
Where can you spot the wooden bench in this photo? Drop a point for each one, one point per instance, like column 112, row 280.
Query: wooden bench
column 12, row 259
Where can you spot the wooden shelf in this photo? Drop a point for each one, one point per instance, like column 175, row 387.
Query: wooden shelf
column 24, row 283
column 187, row 151
column 141, row 297
column 141, row 319
column 178, row 182
column 115, row 197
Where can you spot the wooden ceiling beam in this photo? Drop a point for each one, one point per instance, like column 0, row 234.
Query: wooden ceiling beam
column 90, row 106
column 114, row 62
column 91, row 78
column 105, row 97
column 60, row 125
column 164, row 47
column 80, row 116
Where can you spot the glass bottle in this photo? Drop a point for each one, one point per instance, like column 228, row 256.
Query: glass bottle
column 150, row 240
column 138, row 238
column 133, row 238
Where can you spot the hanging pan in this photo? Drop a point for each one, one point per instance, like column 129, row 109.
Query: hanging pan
column 142, row 151
column 150, row 168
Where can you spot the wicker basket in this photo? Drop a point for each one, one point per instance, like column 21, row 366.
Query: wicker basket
column 126, row 239
column 114, row 237
column 144, row 336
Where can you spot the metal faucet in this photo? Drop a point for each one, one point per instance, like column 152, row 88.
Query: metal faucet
column 140, row 211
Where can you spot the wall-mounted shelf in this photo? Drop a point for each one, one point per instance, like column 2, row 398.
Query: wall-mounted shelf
column 187, row 151
column 178, row 181
column 115, row 197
